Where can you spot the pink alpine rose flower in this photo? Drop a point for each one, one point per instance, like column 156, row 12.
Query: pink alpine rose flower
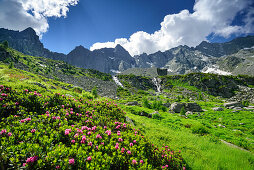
column 71, row 161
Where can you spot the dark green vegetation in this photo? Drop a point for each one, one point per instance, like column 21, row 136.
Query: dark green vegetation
column 198, row 135
column 41, row 129
column 86, row 79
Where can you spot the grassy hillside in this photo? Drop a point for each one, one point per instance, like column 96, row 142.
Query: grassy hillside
column 48, row 123
column 65, row 129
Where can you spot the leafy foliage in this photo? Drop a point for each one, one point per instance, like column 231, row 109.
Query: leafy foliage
column 56, row 131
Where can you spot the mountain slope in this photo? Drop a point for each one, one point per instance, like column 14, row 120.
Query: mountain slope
column 107, row 60
column 28, row 43
column 178, row 60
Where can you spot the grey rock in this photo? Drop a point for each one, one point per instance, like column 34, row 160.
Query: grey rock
column 220, row 125
column 176, row 107
column 234, row 104
column 167, row 105
column 64, row 88
column 40, row 85
column 129, row 121
column 143, row 113
column 217, row 109
column 133, row 103
column 150, row 115
column 193, row 107
column 52, row 87
column 237, row 108
column 188, row 113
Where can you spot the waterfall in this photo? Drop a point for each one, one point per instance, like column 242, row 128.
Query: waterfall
column 156, row 82
column 117, row 81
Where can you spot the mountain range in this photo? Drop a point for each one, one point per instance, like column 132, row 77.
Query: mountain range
column 233, row 57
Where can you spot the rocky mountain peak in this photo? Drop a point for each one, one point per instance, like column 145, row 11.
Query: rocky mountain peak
column 29, row 31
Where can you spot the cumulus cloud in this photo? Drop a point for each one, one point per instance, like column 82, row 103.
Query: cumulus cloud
column 185, row 28
column 20, row 14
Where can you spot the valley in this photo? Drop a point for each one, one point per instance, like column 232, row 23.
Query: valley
column 176, row 121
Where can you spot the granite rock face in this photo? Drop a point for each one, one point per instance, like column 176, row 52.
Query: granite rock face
column 179, row 60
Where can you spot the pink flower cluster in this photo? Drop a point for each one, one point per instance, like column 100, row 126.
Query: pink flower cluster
column 71, row 161
column 108, row 132
column 67, row 131
column 89, row 158
column 3, row 131
column 83, row 139
column 117, row 146
column 33, row 130
column 98, row 136
column 32, row 159
column 25, row 120
column 4, row 95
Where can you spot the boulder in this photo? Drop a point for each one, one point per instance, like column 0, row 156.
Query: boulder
column 176, row 107
column 150, row 115
column 193, row 107
column 133, row 103
column 40, row 85
column 129, row 121
column 167, row 105
column 237, row 108
column 143, row 113
column 188, row 113
column 234, row 104
column 217, row 109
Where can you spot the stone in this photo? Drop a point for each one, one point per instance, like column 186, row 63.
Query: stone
column 52, row 87
column 188, row 113
column 167, row 105
column 220, row 125
column 193, row 107
column 150, row 115
column 143, row 113
column 237, row 108
column 129, row 120
column 217, row 109
column 133, row 103
column 40, row 85
column 234, row 104
column 176, row 107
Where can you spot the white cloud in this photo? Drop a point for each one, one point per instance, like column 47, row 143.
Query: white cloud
column 20, row 14
column 185, row 28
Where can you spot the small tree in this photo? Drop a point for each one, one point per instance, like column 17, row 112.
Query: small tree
column 94, row 92
column 182, row 111
column 11, row 65
column 5, row 43
column 200, row 96
column 146, row 103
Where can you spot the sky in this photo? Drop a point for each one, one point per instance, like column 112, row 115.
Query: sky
column 140, row 26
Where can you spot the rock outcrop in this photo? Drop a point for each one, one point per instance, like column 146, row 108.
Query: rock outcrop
column 192, row 107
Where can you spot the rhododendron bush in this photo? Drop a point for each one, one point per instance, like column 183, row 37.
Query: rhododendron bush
column 60, row 132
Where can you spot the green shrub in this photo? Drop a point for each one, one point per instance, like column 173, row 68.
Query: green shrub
column 11, row 65
column 94, row 92
column 6, row 44
column 245, row 103
column 156, row 116
column 199, row 129
column 58, row 131
column 146, row 103
column 182, row 111
column 77, row 89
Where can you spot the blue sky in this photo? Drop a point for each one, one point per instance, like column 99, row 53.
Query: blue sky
column 105, row 20
column 140, row 26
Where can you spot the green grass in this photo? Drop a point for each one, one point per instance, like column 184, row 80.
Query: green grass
column 200, row 152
